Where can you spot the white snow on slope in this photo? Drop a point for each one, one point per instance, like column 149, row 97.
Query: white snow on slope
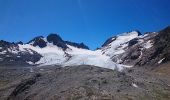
column 29, row 62
column 160, row 61
column 117, row 46
column 51, row 54
column 147, row 45
column 134, row 85
column 88, row 57
column 3, row 52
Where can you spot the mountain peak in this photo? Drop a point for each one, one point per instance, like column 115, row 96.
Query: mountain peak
column 56, row 40
column 108, row 41
column 139, row 33
column 38, row 41
column 53, row 38
column 4, row 43
column 166, row 30
column 135, row 32
column 78, row 45
column 130, row 35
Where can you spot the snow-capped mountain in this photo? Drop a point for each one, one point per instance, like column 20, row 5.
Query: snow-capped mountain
column 135, row 49
column 12, row 54
column 118, row 44
column 52, row 50
column 124, row 50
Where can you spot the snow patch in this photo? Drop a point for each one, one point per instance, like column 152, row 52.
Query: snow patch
column 51, row 54
column 117, row 47
column 147, row 45
column 11, row 60
column 29, row 62
column 7, row 55
column 41, row 69
column 88, row 57
column 52, row 59
column 3, row 52
column 31, row 70
column 14, row 51
column 141, row 53
column 160, row 61
column 134, row 85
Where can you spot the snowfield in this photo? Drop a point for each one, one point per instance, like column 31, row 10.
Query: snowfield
column 88, row 57
column 117, row 46
column 52, row 55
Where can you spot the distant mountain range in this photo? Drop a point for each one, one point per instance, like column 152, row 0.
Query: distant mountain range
column 121, row 51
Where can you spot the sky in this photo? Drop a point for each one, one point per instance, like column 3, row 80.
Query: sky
column 87, row 21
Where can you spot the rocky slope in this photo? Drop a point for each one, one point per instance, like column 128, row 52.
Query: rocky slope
column 84, row 83
column 10, row 54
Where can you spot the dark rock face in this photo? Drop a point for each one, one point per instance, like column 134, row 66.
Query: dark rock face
column 134, row 55
column 78, row 45
column 5, row 44
column 159, row 51
column 23, row 86
column 162, row 44
column 11, row 55
column 139, row 33
column 133, row 42
column 108, row 41
column 20, row 42
column 82, row 45
column 20, row 59
column 141, row 56
column 56, row 40
column 38, row 41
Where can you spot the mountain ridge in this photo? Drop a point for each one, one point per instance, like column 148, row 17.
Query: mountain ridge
column 125, row 49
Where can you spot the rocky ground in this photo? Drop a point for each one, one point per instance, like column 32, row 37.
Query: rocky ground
column 83, row 83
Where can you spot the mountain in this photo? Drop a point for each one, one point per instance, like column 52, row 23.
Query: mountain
column 12, row 54
column 129, row 66
column 135, row 49
column 53, row 50
column 116, row 45
column 124, row 50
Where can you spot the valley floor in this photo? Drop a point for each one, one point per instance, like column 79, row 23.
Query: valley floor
column 83, row 83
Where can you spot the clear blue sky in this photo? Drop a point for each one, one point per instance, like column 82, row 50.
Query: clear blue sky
column 88, row 21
